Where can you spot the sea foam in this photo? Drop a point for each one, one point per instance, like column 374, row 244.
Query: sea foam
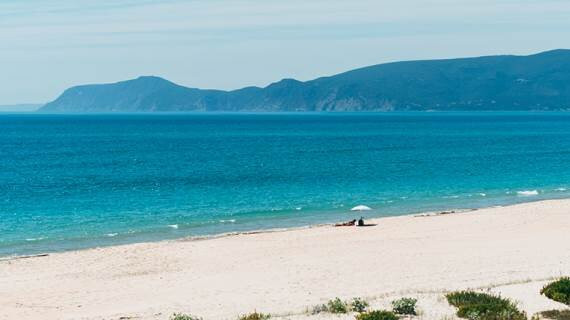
column 527, row 193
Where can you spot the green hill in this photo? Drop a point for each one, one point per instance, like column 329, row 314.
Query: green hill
column 534, row 82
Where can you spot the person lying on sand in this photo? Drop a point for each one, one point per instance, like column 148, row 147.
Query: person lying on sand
column 346, row 224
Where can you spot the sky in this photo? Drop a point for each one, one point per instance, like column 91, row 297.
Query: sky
column 47, row 46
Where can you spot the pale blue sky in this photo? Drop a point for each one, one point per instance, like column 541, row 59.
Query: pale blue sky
column 49, row 45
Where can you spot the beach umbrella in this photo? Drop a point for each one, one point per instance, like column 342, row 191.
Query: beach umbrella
column 361, row 208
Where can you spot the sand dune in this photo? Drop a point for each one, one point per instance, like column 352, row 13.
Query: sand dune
column 511, row 250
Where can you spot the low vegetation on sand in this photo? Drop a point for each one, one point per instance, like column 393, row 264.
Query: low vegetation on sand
column 338, row 306
column 481, row 306
column 377, row 315
column 359, row 305
column 181, row 316
column 556, row 314
column 470, row 305
column 558, row 290
column 406, row 306
column 255, row 316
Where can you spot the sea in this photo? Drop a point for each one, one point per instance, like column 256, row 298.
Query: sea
column 75, row 181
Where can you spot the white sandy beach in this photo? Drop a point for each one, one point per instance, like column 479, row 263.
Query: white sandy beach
column 510, row 250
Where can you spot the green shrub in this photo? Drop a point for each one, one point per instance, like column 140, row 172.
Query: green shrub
column 481, row 306
column 358, row 305
column 181, row 316
column 405, row 306
column 558, row 290
column 556, row 314
column 337, row 306
column 377, row 315
column 255, row 316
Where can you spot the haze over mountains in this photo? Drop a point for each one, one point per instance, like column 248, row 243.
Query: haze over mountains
column 23, row 107
column 534, row 82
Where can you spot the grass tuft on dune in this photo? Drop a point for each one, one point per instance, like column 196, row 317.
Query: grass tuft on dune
column 558, row 290
column 481, row 306
column 255, row 316
column 556, row 314
column 181, row 316
column 377, row 315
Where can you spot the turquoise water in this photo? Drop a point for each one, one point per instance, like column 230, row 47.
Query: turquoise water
column 77, row 181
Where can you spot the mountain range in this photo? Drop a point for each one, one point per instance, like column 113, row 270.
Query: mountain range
column 506, row 82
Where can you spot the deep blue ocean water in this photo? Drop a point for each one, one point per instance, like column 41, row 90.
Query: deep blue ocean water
column 77, row 181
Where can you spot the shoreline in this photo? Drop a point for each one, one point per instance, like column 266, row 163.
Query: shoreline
column 257, row 231
column 458, row 210
column 508, row 249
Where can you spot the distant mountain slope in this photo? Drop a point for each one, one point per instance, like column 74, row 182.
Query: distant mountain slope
column 535, row 82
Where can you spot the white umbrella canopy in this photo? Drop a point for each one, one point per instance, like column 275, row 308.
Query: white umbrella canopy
column 361, row 208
